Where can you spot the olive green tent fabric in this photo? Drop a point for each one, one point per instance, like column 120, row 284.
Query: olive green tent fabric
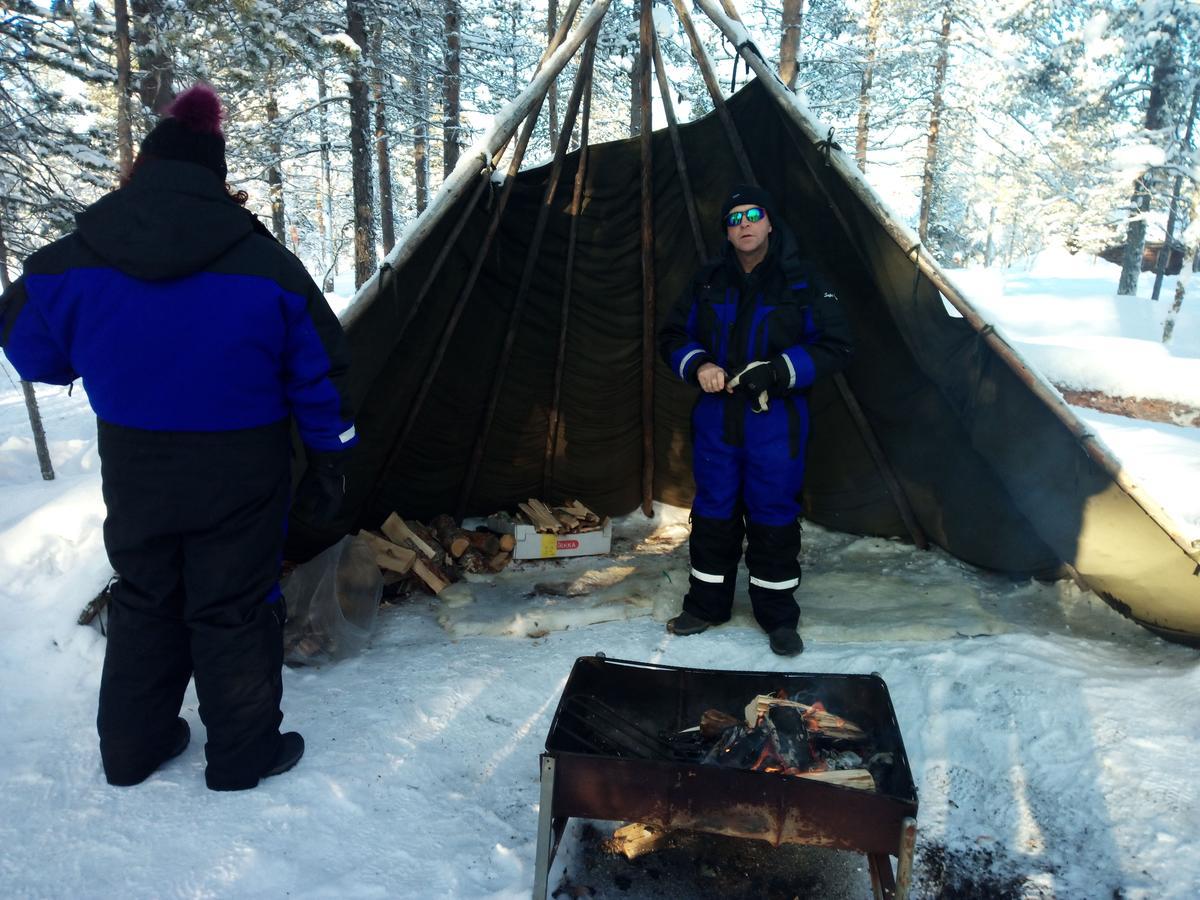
column 445, row 353
column 991, row 472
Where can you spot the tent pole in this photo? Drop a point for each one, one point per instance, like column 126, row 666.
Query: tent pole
column 558, row 53
column 531, row 258
column 899, row 497
column 559, row 360
column 646, row 39
column 714, row 90
column 852, row 405
column 664, row 88
column 904, row 238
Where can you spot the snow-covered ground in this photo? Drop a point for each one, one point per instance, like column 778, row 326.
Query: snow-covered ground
column 1051, row 740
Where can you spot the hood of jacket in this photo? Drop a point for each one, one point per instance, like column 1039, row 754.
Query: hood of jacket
column 172, row 219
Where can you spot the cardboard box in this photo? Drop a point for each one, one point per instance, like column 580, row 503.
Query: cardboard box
column 533, row 545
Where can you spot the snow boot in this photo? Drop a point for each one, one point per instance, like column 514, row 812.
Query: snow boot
column 291, row 748
column 685, row 623
column 181, row 735
column 786, row 641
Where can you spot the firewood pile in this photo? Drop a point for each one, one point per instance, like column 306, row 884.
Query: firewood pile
column 430, row 557
column 571, row 517
column 777, row 733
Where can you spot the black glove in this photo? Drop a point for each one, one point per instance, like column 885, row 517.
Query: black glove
column 756, row 379
column 322, row 488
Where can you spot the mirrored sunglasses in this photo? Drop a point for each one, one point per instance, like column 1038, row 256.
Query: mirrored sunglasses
column 753, row 214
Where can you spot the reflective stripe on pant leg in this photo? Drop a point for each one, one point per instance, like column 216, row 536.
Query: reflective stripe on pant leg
column 716, row 548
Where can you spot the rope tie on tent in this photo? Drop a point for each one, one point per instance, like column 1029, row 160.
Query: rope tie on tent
column 828, row 145
column 987, row 329
column 915, row 252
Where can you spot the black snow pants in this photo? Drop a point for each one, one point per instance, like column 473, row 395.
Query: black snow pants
column 195, row 532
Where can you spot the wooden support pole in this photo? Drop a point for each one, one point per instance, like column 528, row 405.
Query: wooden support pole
column 714, row 90
column 564, row 316
column 592, row 21
column 646, row 38
column 507, row 121
column 927, row 266
column 689, row 199
column 531, row 258
column 881, row 462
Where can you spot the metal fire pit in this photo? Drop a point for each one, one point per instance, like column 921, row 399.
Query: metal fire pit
column 624, row 777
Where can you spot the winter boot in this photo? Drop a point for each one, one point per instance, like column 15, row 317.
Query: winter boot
column 181, row 735
column 685, row 623
column 291, row 748
column 786, row 641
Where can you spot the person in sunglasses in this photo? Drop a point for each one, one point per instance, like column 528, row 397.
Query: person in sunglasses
column 754, row 329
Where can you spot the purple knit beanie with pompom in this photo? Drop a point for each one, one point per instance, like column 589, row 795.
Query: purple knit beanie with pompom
column 191, row 131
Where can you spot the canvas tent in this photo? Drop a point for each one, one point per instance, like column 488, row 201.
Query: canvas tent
column 505, row 351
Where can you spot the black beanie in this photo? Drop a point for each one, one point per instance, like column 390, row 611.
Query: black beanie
column 191, row 131
column 742, row 194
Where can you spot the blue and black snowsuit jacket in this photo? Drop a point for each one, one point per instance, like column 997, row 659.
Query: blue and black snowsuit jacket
column 181, row 313
column 783, row 313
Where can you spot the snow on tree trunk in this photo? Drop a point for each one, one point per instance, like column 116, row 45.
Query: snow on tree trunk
column 451, row 90
column 35, row 417
column 935, row 117
column 328, row 235
column 789, row 40
column 156, row 64
column 420, row 101
column 1164, row 253
column 124, row 119
column 864, row 91
column 275, row 169
column 1185, row 271
column 387, row 224
column 1135, row 237
column 360, row 157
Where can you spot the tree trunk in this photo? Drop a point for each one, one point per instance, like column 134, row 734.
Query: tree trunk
column 275, row 169
column 552, row 93
column 635, row 86
column 156, row 65
column 35, row 417
column 864, row 91
column 387, row 223
column 124, row 117
column 1164, row 254
column 789, row 41
column 935, row 119
column 989, row 253
column 451, row 98
column 420, row 101
column 1186, row 271
column 1135, row 235
column 329, row 236
column 360, row 157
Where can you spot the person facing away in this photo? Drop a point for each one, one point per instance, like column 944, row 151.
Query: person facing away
column 198, row 338
column 753, row 331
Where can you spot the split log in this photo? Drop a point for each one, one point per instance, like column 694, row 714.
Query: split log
column 431, row 573
column 713, row 722
column 499, row 561
column 634, row 839
column 815, row 719
column 444, row 528
column 398, row 531
column 540, row 517
column 471, row 560
column 579, row 511
column 429, row 539
column 507, row 543
column 861, row 779
column 389, row 556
